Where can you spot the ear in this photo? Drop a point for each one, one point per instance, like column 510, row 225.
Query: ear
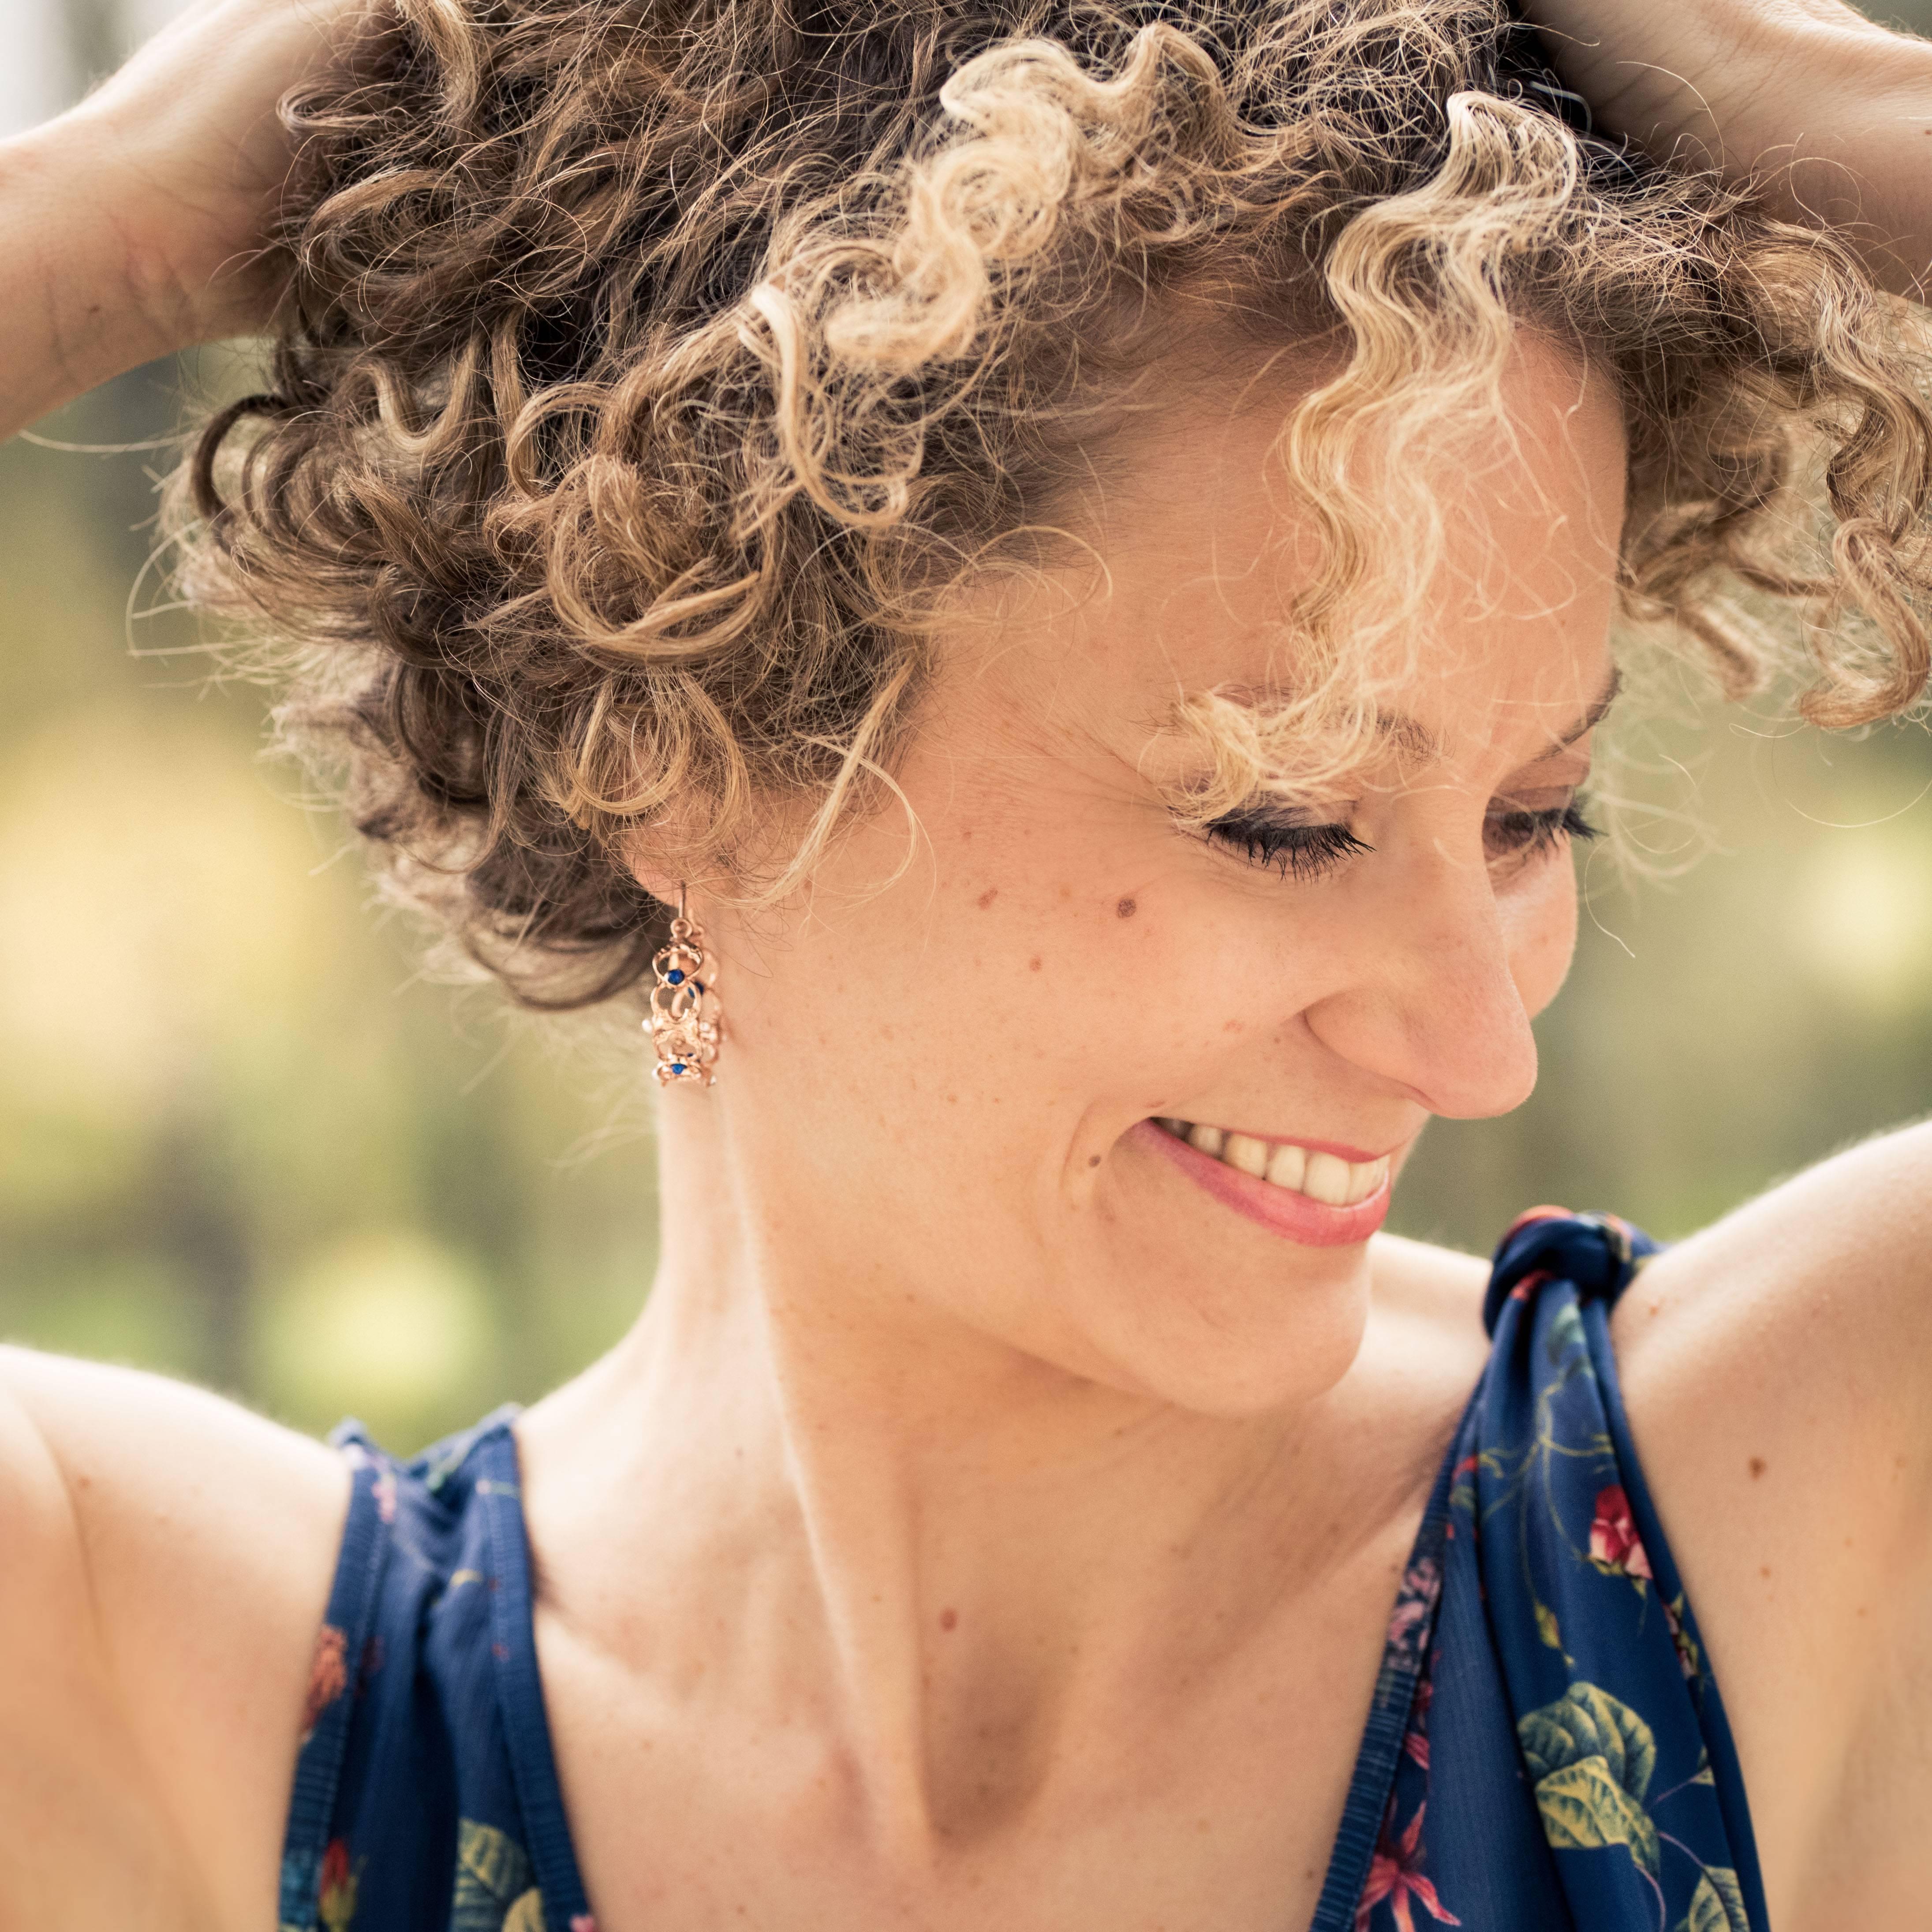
column 656, row 851
column 659, row 882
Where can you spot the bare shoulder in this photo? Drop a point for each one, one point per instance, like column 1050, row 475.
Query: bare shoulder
column 1776, row 1369
column 1426, row 1321
column 170, row 1557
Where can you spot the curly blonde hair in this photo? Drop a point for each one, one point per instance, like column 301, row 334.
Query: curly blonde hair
column 653, row 368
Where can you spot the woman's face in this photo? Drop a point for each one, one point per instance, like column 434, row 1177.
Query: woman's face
column 948, row 1092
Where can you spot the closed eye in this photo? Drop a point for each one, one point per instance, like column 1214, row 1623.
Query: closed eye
column 1295, row 851
column 1307, row 852
column 1509, row 832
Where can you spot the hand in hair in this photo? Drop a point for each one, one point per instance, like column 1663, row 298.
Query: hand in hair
column 142, row 220
column 1831, row 112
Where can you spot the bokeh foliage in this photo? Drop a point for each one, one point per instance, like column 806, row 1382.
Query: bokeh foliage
column 242, row 1140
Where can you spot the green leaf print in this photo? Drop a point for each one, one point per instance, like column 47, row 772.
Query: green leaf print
column 493, row 1882
column 1588, row 1722
column 1592, row 1756
column 526, row 1914
column 1718, row 1905
column 1584, row 1809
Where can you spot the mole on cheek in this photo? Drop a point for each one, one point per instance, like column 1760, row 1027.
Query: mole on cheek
column 1033, row 964
column 1125, row 909
column 1092, row 1160
column 987, row 897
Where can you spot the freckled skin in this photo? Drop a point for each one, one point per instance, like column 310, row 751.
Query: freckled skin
column 979, row 1346
column 1400, row 985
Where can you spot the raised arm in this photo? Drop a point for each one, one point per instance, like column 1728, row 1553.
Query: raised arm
column 1835, row 112
column 137, row 223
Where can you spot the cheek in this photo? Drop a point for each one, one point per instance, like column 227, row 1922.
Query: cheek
column 1542, row 933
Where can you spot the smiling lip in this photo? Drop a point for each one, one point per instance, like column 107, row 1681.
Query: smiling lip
column 1281, row 1210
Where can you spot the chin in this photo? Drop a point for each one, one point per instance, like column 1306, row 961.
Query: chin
column 1248, row 1345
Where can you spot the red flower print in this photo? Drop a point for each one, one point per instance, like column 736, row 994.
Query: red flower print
column 1393, row 1875
column 328, row 1676
column 1687, row 1645
column 385, row 1491
column 1421, row 1584
column 1614, row 1542
column 335, row 1893
column 1415, row 1740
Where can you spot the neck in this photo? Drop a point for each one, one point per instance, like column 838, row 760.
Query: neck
column 976, row 1564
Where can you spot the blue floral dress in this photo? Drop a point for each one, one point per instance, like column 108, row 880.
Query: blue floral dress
column 1546, row 1751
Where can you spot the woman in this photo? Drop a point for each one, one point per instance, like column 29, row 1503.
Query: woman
column 1075, row 549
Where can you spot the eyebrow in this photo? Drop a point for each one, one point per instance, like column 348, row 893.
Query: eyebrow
column 1407, row 735
column 1594, row 716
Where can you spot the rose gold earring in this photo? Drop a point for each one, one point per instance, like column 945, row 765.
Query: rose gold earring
column 684, row 1022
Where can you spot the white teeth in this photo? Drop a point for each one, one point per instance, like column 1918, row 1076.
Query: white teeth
column 1244, row 1151
column 1288, row 1165
column 1325, row 1177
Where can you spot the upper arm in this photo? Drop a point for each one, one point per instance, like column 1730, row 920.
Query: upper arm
column 86, row 1839
column 1776, row 1370
column 178, row 1552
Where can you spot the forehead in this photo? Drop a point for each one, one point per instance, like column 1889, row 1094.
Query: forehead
column 1188, row 552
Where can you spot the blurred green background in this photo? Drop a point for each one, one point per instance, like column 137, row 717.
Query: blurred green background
column 242, row 1140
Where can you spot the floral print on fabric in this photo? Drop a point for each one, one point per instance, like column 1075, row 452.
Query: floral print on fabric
column 1614, row 1542
column 1395, row 1875
column 494, row 1891
column 328, row 1676
column 1546, row 1750
column 1560, row 1617
column 425, row 1795
column 335, row 1899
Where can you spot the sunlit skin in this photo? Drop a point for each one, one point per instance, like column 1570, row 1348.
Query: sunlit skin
column 932, row 1290
column 1061, row 960
column 990, row 1523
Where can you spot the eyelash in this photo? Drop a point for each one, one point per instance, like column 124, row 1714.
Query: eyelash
column 1300, row 851
column 1532, row 833
column 1312, row 851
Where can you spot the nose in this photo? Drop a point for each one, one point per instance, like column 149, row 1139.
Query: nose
column 1433, row 1001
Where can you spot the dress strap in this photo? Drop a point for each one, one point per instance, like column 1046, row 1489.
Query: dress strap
column 1598, row 1254
column 499, row 1488
column 1411, row 1630
column 341, row 1645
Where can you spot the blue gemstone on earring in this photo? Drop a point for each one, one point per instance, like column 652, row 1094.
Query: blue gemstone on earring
column 675, row 976
column 679, row 1066
column 698, row 985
